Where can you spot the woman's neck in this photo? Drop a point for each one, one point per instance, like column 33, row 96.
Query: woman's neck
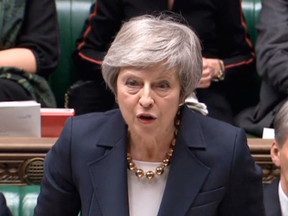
column 153, row 149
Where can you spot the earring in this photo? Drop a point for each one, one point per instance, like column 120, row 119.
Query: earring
column 116, row 100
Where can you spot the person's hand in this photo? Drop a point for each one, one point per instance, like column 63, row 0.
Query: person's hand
column 211, row 68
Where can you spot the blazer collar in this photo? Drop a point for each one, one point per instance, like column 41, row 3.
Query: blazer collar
column 109, row 172
column 186, row 177
column 187, row 173
column 114, row 130
column 190, row 129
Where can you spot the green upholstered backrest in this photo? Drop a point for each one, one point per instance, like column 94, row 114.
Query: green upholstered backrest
column 21, row 200
column 251, row 9
column 71, row 17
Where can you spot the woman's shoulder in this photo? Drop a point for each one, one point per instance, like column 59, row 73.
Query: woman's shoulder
column 211, row 127
column 92, row 125
column 82, row 133
column 220, row 142
column 215, row 125
column 215, row 134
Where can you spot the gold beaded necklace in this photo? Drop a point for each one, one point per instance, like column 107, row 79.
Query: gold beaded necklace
column 166, row 161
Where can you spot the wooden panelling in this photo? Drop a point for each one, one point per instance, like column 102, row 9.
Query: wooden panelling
column 21, row 159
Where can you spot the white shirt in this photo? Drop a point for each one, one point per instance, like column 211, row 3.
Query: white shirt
column 145, row 195
column 283, row 200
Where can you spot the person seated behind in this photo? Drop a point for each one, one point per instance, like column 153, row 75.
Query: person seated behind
column 227, row 50
column 4, row 210
column 272, row 66
column 153, row 155
column 29, row 50
column 276, row 194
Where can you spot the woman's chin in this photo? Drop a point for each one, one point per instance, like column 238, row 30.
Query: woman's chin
column 146, row 130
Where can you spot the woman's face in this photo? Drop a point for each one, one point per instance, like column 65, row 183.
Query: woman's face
column 148, row 99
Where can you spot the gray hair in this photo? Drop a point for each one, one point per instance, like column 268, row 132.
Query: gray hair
column 148, row 40
column 281, row 125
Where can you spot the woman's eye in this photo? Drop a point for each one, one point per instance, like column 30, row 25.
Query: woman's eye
column 163, row 85
column 131, row 83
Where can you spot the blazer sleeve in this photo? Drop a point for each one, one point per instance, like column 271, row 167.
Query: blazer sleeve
column 103, row 24
column 272, row 44
column 58, row 195
column 40, row 34
column 236, row 49
column 4, row 210
column 244, row 195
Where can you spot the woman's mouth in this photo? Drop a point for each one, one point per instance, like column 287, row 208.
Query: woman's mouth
column 146, row 118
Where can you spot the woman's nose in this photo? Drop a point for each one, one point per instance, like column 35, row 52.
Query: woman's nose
column 146, row 100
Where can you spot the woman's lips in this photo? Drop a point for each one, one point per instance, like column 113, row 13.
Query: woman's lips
column 146, row 121
column 146, row 118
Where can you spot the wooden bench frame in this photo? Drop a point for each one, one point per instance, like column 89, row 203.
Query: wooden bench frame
column 21, row 159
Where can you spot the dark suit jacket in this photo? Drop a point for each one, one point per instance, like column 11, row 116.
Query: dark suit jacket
column 4, row 211
column 272, row 66
column 211, row 174
column 271, row 199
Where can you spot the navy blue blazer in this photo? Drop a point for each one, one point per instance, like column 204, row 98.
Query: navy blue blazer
column 4, row 210
column 211, row 174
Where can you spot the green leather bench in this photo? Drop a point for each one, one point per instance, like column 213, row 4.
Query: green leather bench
column 71, row 15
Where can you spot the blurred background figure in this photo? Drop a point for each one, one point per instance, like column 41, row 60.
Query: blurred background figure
column 228, row 82
column 29, row 50
column 272, row 66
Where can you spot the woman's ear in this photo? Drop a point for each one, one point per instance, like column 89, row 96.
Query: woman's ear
column 182, row 99
column 275, row 154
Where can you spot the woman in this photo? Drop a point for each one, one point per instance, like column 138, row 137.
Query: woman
column 152, row 156
column 29, row 50
column 228, row 79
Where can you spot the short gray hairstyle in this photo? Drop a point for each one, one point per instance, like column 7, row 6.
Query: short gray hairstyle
column 281, row 125
column 148, row 40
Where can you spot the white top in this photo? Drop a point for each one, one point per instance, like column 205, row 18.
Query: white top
column 145, row 195
column 283, row 200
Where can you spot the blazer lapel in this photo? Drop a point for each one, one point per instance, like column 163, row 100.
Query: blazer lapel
column 109, row 173
column 187, row 174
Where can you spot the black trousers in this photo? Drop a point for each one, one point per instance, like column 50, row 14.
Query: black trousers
column 12, row 91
